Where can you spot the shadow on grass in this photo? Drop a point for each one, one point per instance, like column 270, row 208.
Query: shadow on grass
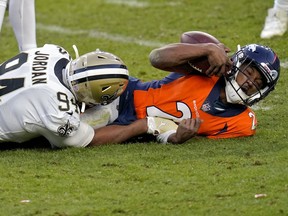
column 37, row 143
column 41, row 143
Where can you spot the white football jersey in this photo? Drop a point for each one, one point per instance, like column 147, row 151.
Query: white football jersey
column 34, row 101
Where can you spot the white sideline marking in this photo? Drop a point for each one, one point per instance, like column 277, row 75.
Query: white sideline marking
column 284, row 64
column 140, row 4
column 259, row 107
column 129, row 3
column 98, row 34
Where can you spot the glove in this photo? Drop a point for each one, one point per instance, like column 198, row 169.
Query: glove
column 157, row 125
column 161, row 127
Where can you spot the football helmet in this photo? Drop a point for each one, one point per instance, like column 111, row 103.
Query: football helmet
column 97, row 77
column 265, row 60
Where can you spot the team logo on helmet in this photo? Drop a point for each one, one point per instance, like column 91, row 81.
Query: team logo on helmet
column 106, row 99
column 252, row 47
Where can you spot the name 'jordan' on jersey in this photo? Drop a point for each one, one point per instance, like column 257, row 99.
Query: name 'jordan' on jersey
column 35, row 101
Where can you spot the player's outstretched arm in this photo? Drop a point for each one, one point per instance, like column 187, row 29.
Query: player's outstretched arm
column 113, row 134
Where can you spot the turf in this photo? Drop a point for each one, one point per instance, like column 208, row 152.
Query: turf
column 200, row 177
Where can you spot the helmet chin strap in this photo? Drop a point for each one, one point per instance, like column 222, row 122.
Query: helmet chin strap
column 234, row 93
column 75, row 50
column 66, row 71
column 231, row 95
column 83, row 106
column 238, row 47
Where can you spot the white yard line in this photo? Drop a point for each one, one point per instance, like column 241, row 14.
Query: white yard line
column 141, row 4
column 284, row 64
column 259, row 107
column 131, row 3
column 98, row 34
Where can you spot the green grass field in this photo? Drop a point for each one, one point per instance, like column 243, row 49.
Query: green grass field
column 200, row 177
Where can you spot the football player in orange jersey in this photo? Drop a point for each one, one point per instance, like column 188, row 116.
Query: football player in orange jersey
column 216, row 103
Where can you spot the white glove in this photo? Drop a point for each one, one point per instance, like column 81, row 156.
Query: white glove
column 161, row 127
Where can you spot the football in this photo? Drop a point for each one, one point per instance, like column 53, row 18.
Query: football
column 193, row 37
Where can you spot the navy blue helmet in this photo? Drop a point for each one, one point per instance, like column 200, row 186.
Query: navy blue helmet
column 265, row 60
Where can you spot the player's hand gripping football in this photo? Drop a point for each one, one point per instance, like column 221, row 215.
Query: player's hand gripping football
column 220, row 62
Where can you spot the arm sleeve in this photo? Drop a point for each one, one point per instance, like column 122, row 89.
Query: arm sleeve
column 80, row 138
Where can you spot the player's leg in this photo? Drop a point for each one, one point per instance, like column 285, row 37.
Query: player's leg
column 281, row 4
column 277, row 20
column 3, row 4
column 23, row 21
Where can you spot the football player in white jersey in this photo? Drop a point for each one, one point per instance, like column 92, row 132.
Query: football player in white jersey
column 41, row 89
column 23, row 21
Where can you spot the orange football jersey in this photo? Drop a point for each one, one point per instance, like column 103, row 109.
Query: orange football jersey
column 196, row 96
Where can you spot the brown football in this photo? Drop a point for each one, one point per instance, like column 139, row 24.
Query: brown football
column 194, row 37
